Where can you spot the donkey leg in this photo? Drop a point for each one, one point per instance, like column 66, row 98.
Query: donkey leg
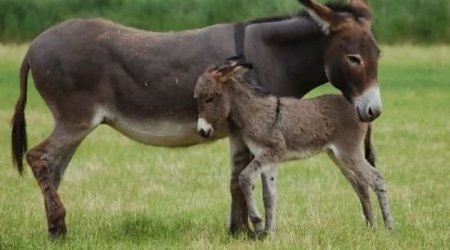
column 247, row 180
column 240, row 158
column 48, row 161
column 269, row 197
column 58, row 168
column 360, row 186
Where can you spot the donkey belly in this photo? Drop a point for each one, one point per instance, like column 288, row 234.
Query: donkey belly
column 168, row 132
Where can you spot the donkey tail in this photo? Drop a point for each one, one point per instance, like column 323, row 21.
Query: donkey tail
column 369, row 150
column 19, row 133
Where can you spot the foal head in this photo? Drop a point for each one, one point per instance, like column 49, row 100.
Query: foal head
column 213, row 96
column 351, row 54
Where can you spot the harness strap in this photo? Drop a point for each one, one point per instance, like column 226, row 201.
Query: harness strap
column 239, row 39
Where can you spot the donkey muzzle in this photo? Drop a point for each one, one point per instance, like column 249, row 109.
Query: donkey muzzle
column 204, row 128
column 368, row 105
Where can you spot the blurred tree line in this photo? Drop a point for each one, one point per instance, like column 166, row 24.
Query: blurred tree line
column 415, row 21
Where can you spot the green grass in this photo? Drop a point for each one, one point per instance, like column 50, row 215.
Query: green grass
column 418, row 21
column 123, row 195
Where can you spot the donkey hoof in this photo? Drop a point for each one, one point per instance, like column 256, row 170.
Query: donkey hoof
column 57, row 232
column 236, row 230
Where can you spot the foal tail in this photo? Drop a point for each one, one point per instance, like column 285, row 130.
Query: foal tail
column 369, row 150
column 19, row 133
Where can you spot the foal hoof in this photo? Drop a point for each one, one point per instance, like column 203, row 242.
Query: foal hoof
column 259, row 235
column 390, row 227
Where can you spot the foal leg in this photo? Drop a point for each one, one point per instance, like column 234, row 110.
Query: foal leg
column 269, row 197
column 361, row 188
column 376, row 182
column 240, row 158
column 48, row 161
column 247, row 180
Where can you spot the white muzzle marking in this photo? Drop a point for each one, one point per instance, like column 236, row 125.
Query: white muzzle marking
column 204, row 128
column 368, row 105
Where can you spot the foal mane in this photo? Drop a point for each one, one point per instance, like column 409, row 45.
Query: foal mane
column 252, row 85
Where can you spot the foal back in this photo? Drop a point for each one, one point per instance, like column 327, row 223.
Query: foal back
column 312, row 125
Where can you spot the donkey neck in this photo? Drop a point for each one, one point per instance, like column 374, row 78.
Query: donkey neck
column 287, row 55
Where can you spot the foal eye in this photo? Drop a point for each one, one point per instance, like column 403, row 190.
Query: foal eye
column 355, row 59
column 210, row 99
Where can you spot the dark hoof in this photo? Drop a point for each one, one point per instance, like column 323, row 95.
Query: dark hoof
column 234, row 230
column 56, row 233
column 259, row 235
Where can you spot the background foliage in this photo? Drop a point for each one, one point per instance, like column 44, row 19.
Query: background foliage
column 416, row 21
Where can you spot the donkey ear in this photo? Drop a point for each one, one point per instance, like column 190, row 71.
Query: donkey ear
column 326, row 18
column 360, row 3
column 362, row 10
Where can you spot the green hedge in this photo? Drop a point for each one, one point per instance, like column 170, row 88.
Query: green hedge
column 418, row 21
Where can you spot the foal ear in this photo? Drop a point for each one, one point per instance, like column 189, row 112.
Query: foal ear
column 236, row 70
column 246, row 65
column 241, row 69
column 327, row 19
column 236, row 58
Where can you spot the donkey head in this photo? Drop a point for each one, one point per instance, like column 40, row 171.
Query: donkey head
column 213, row 97
column 351, row 54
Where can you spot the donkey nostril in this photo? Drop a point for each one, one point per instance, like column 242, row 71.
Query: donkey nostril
column 202, row 133
column 205, row 133
column 373, row 112
column 370, row 111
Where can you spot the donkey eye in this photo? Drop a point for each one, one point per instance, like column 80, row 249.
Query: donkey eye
column 354, row 59
column 210, row 99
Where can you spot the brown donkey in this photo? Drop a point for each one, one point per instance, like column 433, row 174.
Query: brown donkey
column 279, row 129
column 91, row 72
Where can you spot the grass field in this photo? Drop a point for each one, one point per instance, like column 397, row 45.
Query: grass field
column 123, row 195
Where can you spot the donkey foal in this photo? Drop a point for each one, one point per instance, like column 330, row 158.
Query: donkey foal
column 280, row 129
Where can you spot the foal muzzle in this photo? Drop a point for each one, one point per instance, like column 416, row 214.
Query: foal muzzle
column 204, row 128
column 368, row 104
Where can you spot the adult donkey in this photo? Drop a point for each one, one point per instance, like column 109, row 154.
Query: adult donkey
column 92, row 72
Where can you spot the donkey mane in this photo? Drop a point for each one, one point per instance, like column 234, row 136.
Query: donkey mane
column 270, row 19
column 338, row 6
column 341, row 6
